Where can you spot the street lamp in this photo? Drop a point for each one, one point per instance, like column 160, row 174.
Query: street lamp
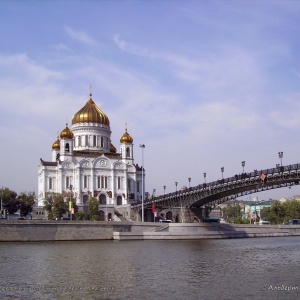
column 243, row 165
column 176, row 185
column 164, row 189
column 189, row 181
column 204, row 174
column 222, row 170
column 143, row 147
column 280, row 154
column 153, row 205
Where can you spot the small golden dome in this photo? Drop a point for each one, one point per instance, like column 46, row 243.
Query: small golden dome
column 66, row 133
column 90, row 113
column 56, row 144
column 126, row 138
column 113, row 148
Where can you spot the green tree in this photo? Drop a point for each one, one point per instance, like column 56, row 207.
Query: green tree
column 93, row 209
column 9, row 200
column 81, row 215
column 59, row 206
column 291, row 210
column 55, row 206
column 48, row 204
column 274, row 214
column 232, row 212
column 26, row 202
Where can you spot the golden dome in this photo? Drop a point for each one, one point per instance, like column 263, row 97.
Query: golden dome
column 113, row 148
column 126, row 138
column 90, row 113
column 66, row 133
column 56, row 144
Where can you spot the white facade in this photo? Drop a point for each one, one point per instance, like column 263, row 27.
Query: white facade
column 84, row 160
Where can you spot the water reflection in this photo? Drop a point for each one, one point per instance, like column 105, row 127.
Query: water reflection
column 224, row 269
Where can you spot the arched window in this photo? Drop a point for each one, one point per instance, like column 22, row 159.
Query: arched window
column 101, row 215
column 85, row 181
column 67, row 147
column 102, row 199
column 128, row 152
column 50, row 183
column 79, row 141
column 85, row 199
column 94, row 141
column 119, row 200
column 129, row 184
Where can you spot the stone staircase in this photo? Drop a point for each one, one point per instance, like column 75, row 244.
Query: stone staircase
column 120, row 217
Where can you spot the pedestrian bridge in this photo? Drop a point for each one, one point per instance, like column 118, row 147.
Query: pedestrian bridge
column 206, row 196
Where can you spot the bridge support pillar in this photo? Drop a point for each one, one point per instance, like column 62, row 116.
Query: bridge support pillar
column 200, row 212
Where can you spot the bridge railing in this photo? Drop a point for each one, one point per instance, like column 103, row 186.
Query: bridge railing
column 238, row 177
column 255, row 175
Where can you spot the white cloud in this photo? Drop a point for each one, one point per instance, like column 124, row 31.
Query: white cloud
column 80, row 36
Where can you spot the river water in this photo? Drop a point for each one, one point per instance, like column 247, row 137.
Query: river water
column 257, row 268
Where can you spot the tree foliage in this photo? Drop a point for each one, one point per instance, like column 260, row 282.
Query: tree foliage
column 26, row 202
column 9, row 200
column 12, row 202
column 93, row 209
column 232, row 212
column 55, row 206
column 280, row 213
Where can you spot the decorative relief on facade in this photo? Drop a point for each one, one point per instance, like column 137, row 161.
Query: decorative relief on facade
column 102, row 163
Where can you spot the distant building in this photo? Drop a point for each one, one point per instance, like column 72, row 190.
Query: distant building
column 85, row 163
column 254, row 208
column 296, row 197
column 282, row 200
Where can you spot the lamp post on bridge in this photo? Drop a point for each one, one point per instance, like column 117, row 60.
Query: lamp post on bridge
column 142, row 146
column 176, row 185
column 280, row 154
column 222, row 170
column 189, row 181
column 204, row 174
column 153, row 205
column 164, row 189
column 243, row 165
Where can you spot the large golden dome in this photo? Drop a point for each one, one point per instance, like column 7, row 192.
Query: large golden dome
column 56, row 145
column 90, row 113
column 126, row 138
column 66, row 133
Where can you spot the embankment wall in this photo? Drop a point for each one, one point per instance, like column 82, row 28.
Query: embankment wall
column 18, row 231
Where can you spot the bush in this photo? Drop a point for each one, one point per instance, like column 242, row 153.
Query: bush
column 95, row 218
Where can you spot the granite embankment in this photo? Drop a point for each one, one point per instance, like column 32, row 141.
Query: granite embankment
column 18, row 231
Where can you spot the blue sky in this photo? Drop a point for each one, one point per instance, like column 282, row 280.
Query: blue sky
column 203, row 84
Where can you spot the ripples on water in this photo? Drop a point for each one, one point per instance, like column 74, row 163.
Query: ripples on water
column 208, row 269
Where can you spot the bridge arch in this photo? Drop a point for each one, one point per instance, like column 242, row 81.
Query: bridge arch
column 169, row 215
